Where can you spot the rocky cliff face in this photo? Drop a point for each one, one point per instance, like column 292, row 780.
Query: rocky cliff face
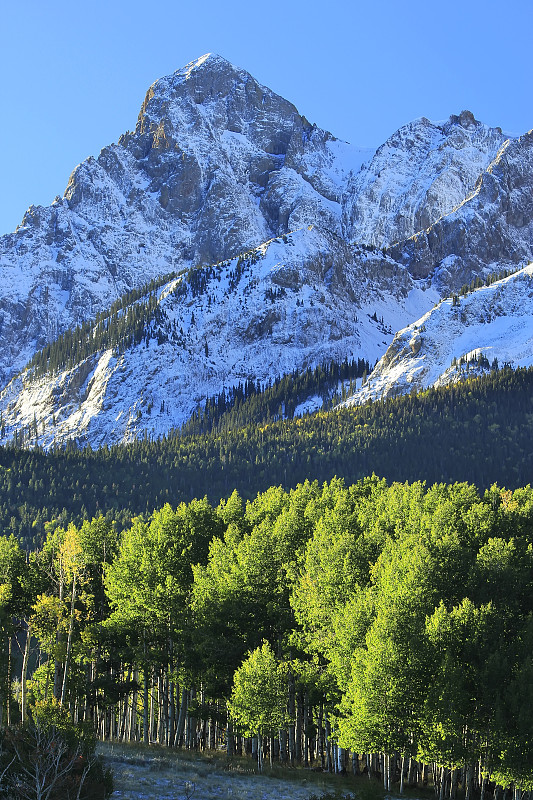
column 491, row 229
column 420, row 174
column 219, row 164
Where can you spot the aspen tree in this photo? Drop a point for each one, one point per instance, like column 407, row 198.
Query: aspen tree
column 259, row 697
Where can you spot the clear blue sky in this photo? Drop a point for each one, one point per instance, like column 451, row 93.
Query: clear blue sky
column 73, row 74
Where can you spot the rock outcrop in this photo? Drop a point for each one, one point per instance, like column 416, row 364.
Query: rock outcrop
column 365, row 242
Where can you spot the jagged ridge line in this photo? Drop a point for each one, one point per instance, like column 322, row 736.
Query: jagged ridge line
column 249, row 252
column 175, row 279
column 475, row 191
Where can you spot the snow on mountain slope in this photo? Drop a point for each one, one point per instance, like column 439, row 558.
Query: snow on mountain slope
column 251, row 318
column 491, row 230
column 421, row 173
column 216, row 166
column 446, row 344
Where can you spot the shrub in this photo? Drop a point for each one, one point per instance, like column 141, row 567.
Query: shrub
column 49, row 759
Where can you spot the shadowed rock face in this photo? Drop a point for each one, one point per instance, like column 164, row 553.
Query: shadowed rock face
column 422, row 172
column 492, row 230
column 218, row 164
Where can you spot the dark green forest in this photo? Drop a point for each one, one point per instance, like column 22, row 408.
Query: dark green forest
column 479, row 431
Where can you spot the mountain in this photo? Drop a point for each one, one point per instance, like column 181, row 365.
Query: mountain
column 423, row 172
column 152, row 363
column 248, row 243
column 463, row 336
column 217, row 164
column 491, row 229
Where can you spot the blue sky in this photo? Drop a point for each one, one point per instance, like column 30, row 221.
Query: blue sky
column 73, row 74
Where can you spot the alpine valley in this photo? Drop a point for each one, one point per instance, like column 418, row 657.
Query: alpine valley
column 227, row 241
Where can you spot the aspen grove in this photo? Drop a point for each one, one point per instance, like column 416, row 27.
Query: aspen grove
column 378, row 628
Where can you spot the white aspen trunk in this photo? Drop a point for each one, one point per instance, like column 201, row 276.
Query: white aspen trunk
column 259, row 752
column 442, row 783
column 134, row 702
column 91, row 674
column 24, row 674
column 203, row 723
column 146, row 709
column 8, row 683
column 212, row 728
column 69, row 640
column 298, row 728
column 340, row 759
column 292, row 717
column 146, row 732
column 402, row 767
column 230, row 745
column 311, row 740
column 96, row 713
column 166, row 716
column 123, row 710
column 453, row 784
column 172, row 715
column 469, row 781
column 191, row 725
column 120, row 727
column 131, row 719
column 306, row 728
column 127, row 718
column 158, row 706
column 151, row 728
column 320, row 736
column 327, row 744
column 181, row 718
column 282, row 745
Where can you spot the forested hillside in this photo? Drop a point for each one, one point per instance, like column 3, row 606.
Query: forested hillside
column 386, row 627
column 480, row 431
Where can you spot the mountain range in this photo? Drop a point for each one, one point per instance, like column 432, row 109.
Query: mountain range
column 227, row 239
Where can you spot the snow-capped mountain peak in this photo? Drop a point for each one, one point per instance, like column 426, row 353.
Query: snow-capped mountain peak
column 218, row 165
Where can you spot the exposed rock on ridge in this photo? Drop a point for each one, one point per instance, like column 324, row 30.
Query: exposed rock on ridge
column 492, row 229
column 218, row 164
column 422, row 172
